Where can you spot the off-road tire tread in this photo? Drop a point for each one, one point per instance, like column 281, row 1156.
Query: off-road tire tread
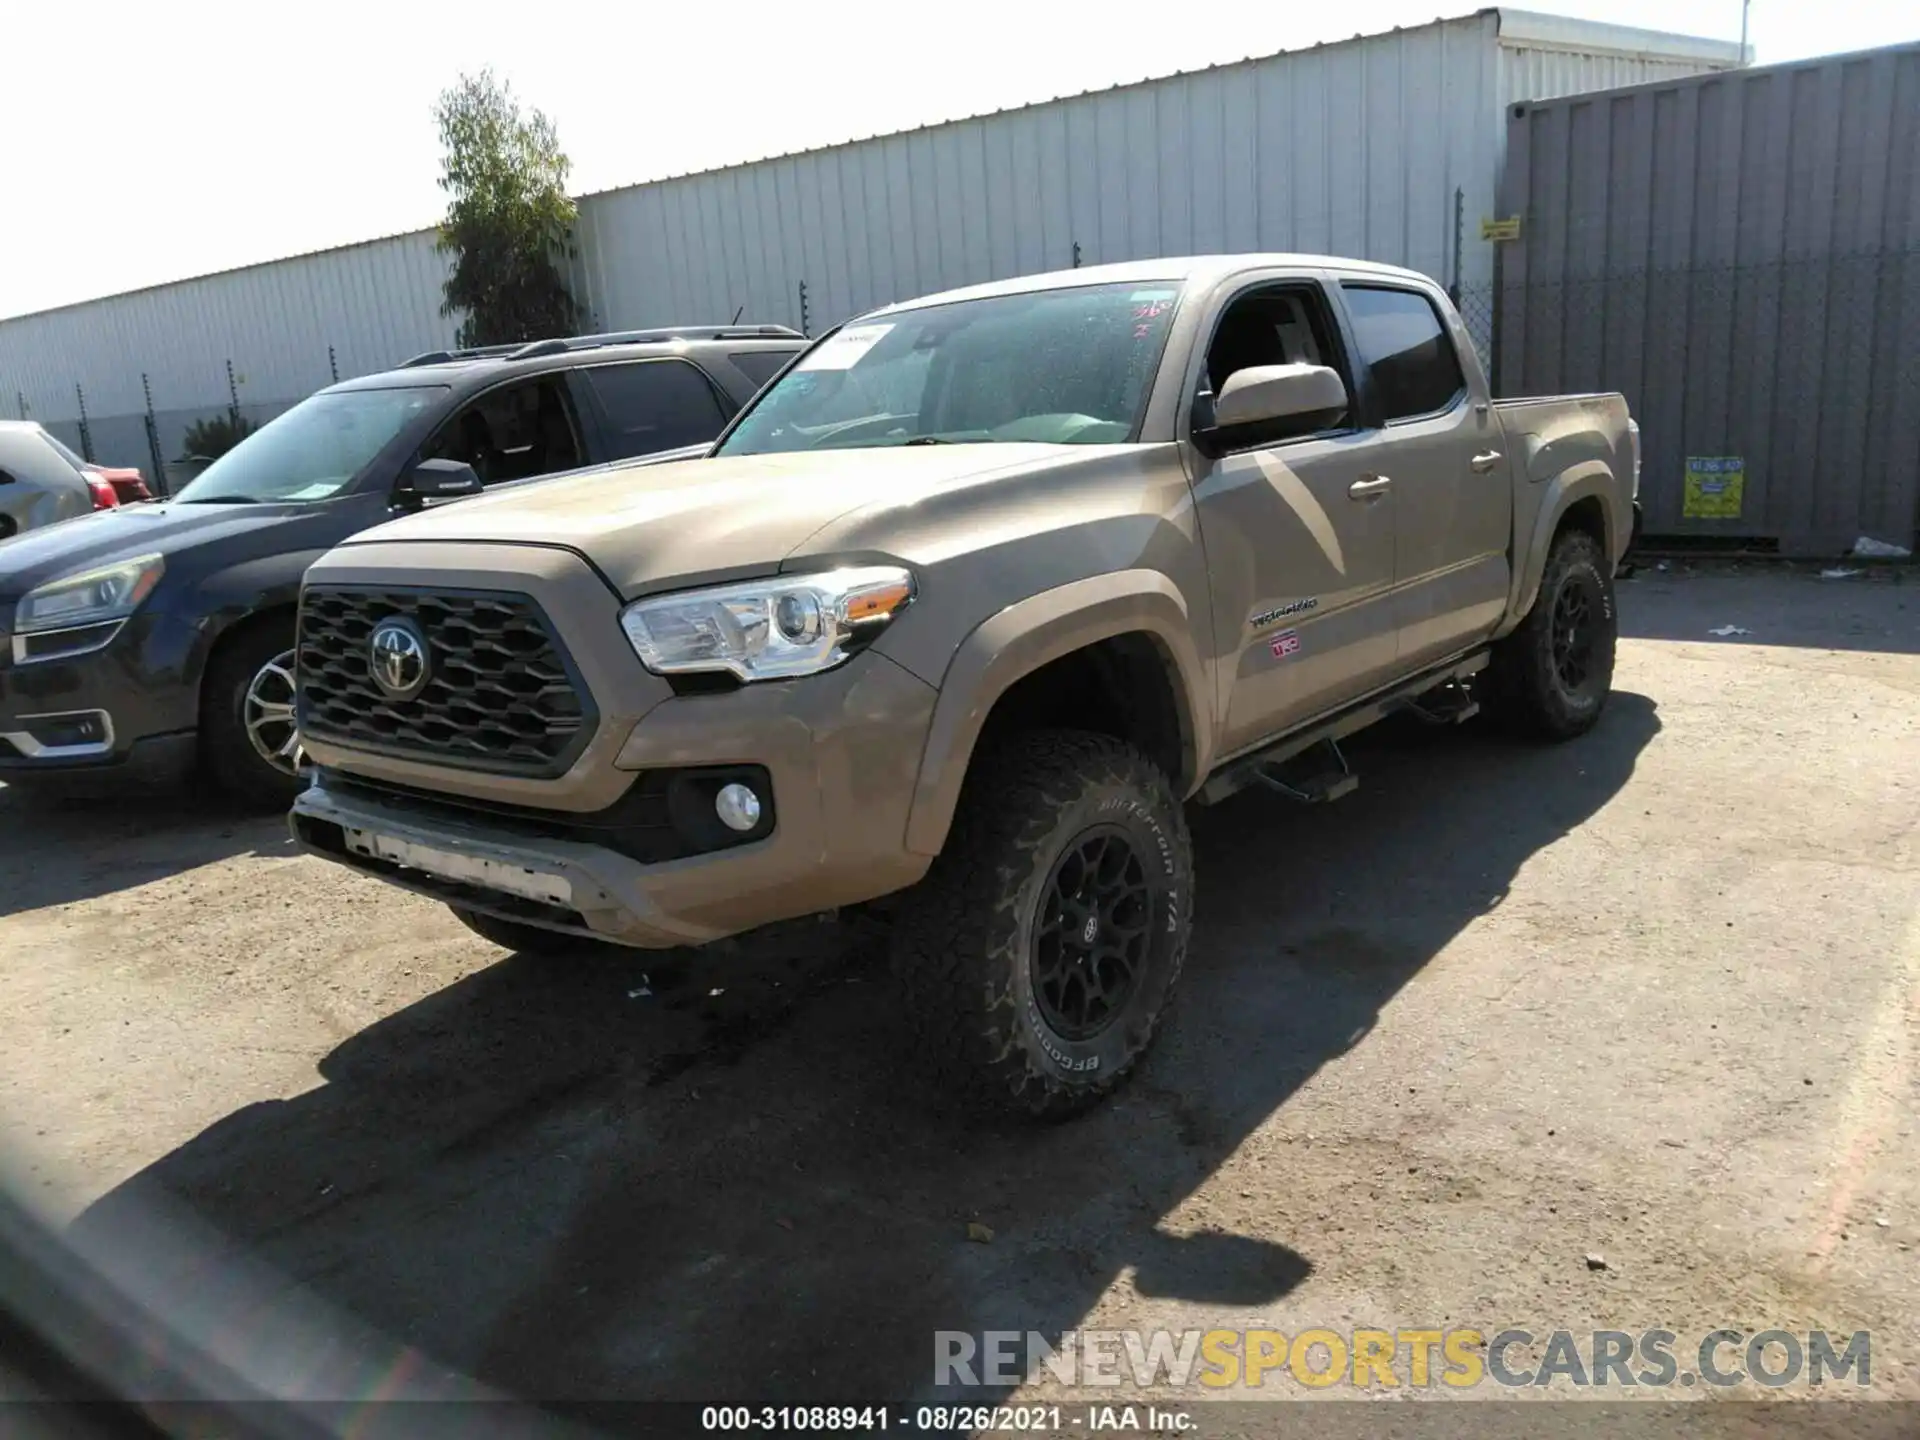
column 950, row 943
column 1520, row 684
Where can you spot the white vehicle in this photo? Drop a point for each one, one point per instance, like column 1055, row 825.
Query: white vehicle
column 38, row 484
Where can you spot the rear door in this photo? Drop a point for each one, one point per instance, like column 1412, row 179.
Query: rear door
column 643, row 407
column 1453, row 498
column 1298, row 529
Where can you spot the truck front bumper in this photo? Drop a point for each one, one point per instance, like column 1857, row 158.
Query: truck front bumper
column 840, row 753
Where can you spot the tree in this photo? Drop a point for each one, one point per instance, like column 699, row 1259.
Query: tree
column 509, row 223
column 211, row 438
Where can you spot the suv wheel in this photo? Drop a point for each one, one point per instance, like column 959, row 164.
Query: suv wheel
column 1551, row 677
column 247, row 735
column 1040, row 953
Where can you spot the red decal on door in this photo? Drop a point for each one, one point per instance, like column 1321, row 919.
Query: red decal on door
column 1285, row 643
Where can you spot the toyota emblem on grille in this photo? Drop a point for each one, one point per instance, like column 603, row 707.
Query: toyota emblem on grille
column 397, row 656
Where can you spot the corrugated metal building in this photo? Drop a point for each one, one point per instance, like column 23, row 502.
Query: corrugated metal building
column 1356, row 148
column 1740, row 255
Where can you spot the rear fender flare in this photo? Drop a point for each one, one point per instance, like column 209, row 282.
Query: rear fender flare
column 1034, row 632
column 1560, row 494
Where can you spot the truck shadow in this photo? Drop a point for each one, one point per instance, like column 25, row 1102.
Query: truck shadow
column 716, row 1179
column 57, row 849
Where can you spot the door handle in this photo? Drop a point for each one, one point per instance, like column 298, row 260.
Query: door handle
column 1371, row 488
column 1485, row 461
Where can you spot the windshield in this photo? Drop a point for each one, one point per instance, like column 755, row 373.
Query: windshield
column 312, row 451
column 1067, row 367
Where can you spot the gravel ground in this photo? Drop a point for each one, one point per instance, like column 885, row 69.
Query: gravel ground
column 1652, row 997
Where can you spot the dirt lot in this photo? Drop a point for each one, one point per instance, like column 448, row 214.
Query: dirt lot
column 1654, row 996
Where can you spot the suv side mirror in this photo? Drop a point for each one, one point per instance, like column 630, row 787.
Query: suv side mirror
column 436, row 480
column 1262, row 394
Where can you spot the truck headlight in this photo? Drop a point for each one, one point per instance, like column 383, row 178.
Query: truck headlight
column 770, row 629
column 92, row 597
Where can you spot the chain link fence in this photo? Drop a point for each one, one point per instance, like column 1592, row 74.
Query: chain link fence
column 1475, row 304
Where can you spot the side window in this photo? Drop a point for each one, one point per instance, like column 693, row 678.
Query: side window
column 513, row 433
column 1406, row 350
column 1287, row 326
column 53, row 443
column 760, row 366
column 654, row 405
column 30, row 459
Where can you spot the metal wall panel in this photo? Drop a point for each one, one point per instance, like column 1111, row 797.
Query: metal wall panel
column 1740, row 255
column 1353, row 148
column 373, row 303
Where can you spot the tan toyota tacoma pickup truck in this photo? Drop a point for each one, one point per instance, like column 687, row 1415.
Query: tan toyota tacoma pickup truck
column 952, row 622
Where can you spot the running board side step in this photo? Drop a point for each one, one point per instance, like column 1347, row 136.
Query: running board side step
column 1317, row 787
column 1261, row 766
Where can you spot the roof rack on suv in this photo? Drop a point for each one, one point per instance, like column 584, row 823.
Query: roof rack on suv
column 472, row 352
column 560, row 345
column 656, row 336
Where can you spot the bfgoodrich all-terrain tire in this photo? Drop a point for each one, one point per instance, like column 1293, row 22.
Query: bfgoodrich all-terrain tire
column 1040, row 953
column 1550, row 678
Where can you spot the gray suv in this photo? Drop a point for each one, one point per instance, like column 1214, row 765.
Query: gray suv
column 137, row 641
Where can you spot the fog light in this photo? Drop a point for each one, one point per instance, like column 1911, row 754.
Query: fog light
column 737, row 806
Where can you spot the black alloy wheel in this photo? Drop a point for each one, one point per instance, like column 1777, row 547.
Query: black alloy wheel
column 1091, row 940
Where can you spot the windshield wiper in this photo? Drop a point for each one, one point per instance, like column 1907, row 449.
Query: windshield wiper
column 218, row 500
column 927, row 440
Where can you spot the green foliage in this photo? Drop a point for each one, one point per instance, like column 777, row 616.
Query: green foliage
column 211, row 438
column 509, row 222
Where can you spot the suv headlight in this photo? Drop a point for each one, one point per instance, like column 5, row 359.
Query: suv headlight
column 770, row 629
column 93, row 597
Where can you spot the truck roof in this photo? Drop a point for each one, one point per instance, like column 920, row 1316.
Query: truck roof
column 1174, row 268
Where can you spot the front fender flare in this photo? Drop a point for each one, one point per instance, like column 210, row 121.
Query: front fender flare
column 1034, row 632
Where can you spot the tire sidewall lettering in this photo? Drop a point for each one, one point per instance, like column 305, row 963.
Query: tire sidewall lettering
column 1077, row 1061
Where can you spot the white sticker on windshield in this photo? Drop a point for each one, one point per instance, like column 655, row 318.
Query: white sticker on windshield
column 844, row 350
column 318, row 491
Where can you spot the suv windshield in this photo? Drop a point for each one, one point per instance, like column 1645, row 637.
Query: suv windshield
column 1066, row 367
column 312, row 451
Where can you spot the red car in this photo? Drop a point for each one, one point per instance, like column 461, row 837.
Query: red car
column 111, row 485
column 115, row 485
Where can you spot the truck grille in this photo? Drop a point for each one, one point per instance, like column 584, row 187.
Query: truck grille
column 502, row 696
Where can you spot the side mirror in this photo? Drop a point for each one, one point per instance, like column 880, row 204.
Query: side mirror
column 1265, row 393
column 436, row 480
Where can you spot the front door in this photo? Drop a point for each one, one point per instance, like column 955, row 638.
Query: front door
column 1299, row 534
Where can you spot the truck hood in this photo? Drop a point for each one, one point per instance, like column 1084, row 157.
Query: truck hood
column 737, row 515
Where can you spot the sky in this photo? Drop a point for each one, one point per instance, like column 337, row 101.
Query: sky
column 173, row 140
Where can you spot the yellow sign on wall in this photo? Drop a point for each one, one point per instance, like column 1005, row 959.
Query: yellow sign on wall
column 1716, row 485
column 1507, row 229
